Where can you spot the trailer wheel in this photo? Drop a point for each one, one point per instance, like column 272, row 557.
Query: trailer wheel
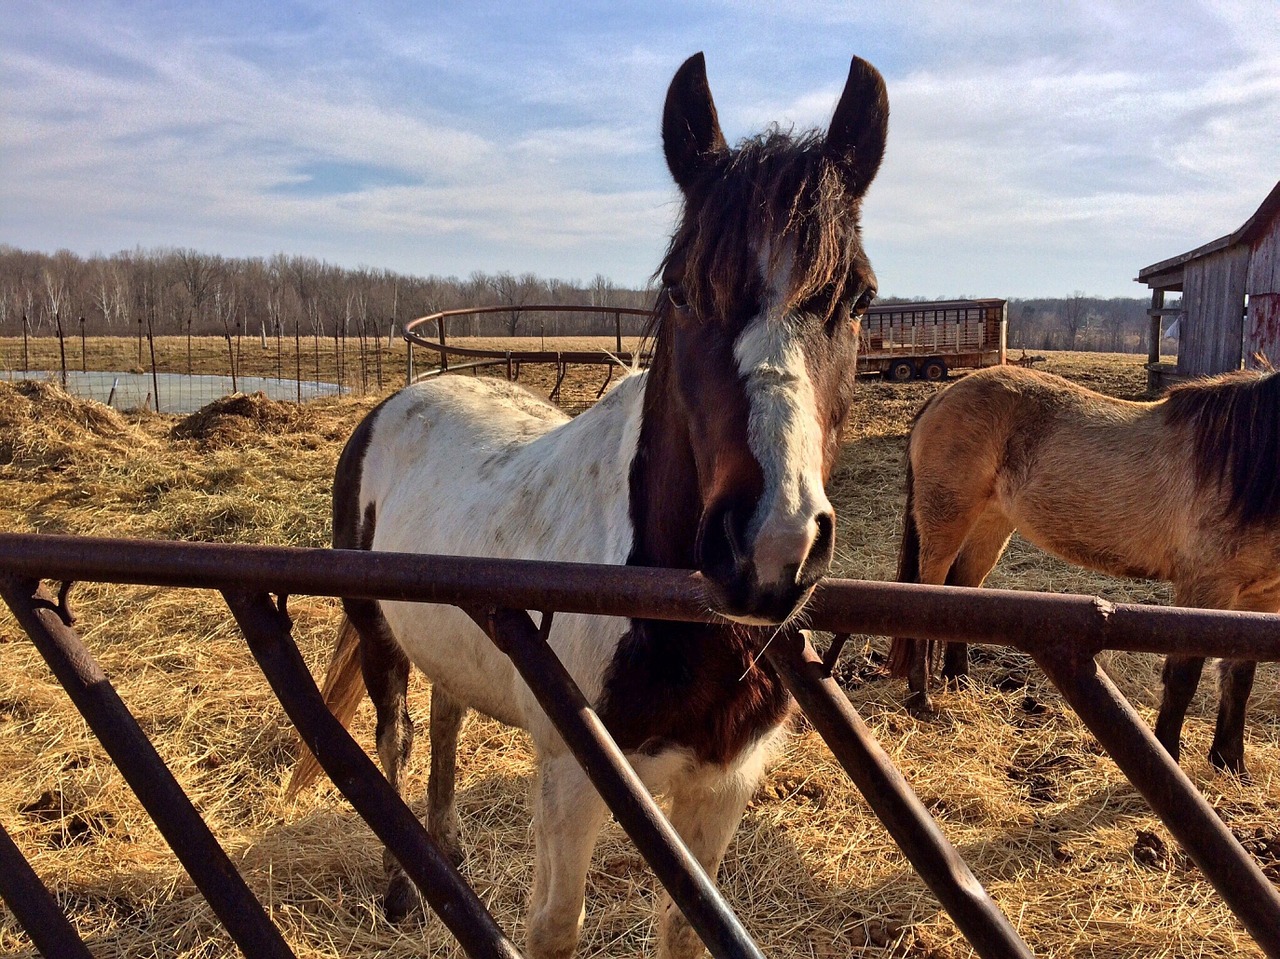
column 934, row 370
column 901, row 370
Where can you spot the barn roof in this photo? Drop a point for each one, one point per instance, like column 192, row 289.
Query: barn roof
column 1168, row 273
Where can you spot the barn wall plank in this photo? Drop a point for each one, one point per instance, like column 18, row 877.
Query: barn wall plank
column 1213, row 313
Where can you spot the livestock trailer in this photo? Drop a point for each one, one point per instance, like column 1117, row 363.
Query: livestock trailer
column 925, row 340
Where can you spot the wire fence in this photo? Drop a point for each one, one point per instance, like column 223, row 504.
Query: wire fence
column 180, row 374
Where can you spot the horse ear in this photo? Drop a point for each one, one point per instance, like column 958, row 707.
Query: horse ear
column 691, row 134
column 856, row 138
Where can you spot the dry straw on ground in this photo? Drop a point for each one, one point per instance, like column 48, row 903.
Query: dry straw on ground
column 1058, row 836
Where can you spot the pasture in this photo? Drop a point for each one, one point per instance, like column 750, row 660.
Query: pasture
column 1062, row 842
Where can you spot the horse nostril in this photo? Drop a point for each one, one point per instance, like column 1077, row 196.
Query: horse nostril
column 735, row 550
column 818, row 561
column 719, row 548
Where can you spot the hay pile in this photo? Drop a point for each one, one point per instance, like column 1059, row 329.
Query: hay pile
column 243, row 419
column 43, row 428
column 1056, row 834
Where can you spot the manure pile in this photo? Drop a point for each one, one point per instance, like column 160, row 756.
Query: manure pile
column 1046, row 821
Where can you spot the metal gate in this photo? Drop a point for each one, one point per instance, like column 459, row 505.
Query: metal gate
column 256, row 582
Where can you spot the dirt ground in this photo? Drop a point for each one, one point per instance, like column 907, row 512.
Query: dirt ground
column 1056, row 834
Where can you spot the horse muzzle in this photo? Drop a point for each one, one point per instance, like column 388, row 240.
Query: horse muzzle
column 766, row 579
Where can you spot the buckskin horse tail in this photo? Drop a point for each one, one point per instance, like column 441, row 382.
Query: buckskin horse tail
column 908, row 572
column 343, row 687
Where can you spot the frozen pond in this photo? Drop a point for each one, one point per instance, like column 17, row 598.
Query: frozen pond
column 179, row 393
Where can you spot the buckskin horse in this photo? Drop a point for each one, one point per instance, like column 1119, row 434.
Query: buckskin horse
column 715, row 459
column 1185, row 489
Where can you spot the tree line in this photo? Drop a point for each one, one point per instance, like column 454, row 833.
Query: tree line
column 184, row 291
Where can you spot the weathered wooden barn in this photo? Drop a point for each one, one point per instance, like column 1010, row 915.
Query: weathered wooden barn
column 1230, row 310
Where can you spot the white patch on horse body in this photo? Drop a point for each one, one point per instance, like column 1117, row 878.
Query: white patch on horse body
column 480, row 467
column 782, row 432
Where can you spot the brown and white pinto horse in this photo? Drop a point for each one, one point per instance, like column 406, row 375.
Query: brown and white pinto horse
column 716, row 458
column 1185, row 489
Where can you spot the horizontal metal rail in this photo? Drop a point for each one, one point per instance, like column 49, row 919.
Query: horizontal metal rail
column 1027, row 621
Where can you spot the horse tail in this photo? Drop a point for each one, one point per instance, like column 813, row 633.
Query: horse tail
column 908, row 572
column 343, row 687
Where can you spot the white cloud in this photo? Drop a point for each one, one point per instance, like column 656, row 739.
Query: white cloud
column 1033, row 148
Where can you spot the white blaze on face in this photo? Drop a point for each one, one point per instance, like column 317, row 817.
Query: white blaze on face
column 783, row 434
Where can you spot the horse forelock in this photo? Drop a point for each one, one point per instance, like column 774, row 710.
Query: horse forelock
column 1234, row 421
column 773, row 192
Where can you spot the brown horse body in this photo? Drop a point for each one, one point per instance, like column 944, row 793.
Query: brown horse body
column 1185, row 489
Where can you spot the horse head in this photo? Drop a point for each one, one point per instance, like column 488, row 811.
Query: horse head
column 757, row 328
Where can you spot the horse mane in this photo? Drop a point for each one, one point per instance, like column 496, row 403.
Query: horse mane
column 1235, row 424
column 774, row 187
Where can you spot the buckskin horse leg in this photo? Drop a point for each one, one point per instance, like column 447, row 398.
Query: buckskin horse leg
column 1235, row 682
column 1181, row 676
column 983, row 547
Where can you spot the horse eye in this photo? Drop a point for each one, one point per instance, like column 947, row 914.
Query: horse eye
column 675, row 293
column 864, row 301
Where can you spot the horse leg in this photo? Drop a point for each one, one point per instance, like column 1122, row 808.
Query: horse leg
column 1181, row 677
column 447, row 717
column 934, row 564
column 386, row 676
column 567, row 816
column 706, row 818
column 1182, row 673
column 982, row 549
column 1235, row 682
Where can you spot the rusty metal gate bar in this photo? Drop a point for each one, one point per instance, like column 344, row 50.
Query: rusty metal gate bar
column 144, row 770
column 1018, row 619
column 686, row 881
column 626, row 796
column 35, row 907
column 1168, row 791
column 893, row 801
column 267, row 628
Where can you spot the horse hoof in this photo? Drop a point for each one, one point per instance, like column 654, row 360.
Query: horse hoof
column 453, row 851
column 919, row 704
column 402, row 900
column 1229, row 764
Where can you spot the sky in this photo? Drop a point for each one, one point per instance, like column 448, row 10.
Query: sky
column 1035, row 149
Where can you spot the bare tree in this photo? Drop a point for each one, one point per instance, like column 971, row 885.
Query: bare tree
column 55, row 289
column 515, row 292
column 1075, row 317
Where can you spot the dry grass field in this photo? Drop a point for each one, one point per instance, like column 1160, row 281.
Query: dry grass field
column 1060, row 839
